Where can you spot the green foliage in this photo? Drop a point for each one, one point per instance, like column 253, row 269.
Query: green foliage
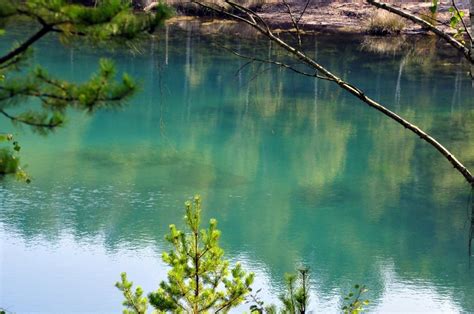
column 199, row 280
column 9, row 159
column 455, row 22
column 353, row 303
column 134, row 302
column 295, row 299
column 434, row 6
column 112, row 21
column 101, row 90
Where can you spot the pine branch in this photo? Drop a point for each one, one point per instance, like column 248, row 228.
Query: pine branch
column 227, row 303
column 25, row 45
column 50, row 125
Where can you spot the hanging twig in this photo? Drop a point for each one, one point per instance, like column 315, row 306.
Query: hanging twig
column 293, row 20
column 280, row 64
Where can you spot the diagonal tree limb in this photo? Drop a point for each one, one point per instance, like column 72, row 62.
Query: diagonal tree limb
column 361, row 95
column 450, row 39
column 25, row 45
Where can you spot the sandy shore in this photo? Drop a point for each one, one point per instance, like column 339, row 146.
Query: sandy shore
column 325, row 18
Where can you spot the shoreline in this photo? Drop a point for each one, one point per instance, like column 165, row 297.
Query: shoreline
column 328, row 18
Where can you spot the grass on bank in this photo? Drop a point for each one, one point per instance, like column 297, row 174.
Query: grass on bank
column 382, row 22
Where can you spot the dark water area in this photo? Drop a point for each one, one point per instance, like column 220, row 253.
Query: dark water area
column 295, row 170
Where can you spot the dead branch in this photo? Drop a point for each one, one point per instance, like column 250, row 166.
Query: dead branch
column 304, row 10
column 294, row 21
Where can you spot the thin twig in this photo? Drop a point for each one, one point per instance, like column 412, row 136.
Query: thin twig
column 280, row 64
column 304, row 10
column 242, row 67
column 250, row 13
column 462, row 20
column 293, row 20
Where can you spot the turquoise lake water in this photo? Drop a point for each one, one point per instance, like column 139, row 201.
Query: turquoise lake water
column 295, row 170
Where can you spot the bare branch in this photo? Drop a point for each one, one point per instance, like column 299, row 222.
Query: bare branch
column 250, row 13
column 303, row 12
column 280, row 64
column 361, row 95
column 293, row 20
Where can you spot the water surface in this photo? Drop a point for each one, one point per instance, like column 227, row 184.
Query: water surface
column 296, row 171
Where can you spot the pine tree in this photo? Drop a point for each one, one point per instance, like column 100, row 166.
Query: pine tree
column 109, row 21
column 199, row 280
column 295, row 299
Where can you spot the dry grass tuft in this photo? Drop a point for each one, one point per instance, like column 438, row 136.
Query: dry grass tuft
column 382, row 22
